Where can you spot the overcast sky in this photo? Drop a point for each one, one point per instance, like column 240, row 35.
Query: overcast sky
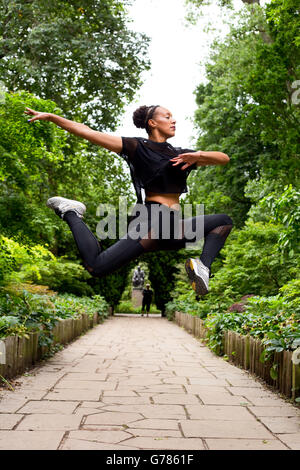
column 176, row 50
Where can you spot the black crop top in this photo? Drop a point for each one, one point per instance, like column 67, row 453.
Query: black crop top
column 150, row 166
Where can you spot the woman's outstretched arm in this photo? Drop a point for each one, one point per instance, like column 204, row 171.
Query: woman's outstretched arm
column 102, row 139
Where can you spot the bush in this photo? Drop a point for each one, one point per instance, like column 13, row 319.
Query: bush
column 38, row 265
column 126, row 307
column 285, row 210
column 61, row 276
column 171, row 308
column 34, row 313
column 69, row 305
column 23, row 311
column 12, row 256
column 10, row 324
column 251, row 264
column 275, row 320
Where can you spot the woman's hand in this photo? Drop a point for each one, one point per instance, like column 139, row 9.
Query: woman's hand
column 37, row 115
column 200, row 158
column 187, row 158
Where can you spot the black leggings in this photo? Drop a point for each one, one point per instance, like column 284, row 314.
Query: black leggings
column 146, row 303
column 100, row 262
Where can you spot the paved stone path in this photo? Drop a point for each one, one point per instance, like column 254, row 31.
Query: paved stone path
column 143, row 383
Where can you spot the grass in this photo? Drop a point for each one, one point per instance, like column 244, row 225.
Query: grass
column 126, row 306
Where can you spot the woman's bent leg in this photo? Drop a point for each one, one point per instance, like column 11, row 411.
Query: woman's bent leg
column 100, row 263
column 216, row 229
column 87, row 244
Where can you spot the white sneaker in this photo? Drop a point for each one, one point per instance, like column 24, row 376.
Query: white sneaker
column 198, row 275
column 61, row 205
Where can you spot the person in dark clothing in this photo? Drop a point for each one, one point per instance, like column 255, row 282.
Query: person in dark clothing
column 161, row 171
column 147, row 297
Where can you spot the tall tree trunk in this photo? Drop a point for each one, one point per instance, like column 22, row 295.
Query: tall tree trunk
column 264, row 35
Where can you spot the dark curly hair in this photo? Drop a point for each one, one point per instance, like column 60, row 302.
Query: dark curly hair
column 142, row 115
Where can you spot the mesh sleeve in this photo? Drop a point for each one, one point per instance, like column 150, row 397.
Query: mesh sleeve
column 129, row 145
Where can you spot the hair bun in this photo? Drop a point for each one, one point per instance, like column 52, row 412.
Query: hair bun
column 139, row 117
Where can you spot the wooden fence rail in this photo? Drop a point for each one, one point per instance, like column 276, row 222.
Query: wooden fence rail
column 18, row 354
column 245, row 351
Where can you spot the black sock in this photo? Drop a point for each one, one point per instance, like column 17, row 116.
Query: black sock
column 214, row 242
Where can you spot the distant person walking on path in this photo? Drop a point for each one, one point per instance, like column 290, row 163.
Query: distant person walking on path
column 147, row 297
column 161, row 170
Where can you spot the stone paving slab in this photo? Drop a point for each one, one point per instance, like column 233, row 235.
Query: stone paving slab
column 154, row 433
column 30, row 440
column 143, row 383
column 41, row 422
column 123, row 419
column 225, row 429
column 48, row 407
column 9, row 421
column 219, row 412
column 244, row 444
column 167, row 443
column 291, row 440
column 82, row 444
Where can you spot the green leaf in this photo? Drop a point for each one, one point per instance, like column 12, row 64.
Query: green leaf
column 262, row 357
column 274, row 372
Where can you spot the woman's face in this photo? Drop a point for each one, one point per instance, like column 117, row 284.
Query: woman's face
column 163, row 122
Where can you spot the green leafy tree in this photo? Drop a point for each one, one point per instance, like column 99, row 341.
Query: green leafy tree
column 111, row 287
column 81, row 55
column 36, row 163
column 285, row 210
column 28, row 158
column 162, row 271
column 246, row 109
column 252, row 263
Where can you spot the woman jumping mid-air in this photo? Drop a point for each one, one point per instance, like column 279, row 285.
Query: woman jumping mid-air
column 161, row 170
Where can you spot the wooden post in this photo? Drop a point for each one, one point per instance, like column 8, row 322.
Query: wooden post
column 240, row 354
column 196, row 327
column 247, row 352
column 232, row 346
column 287, row 366
column 193, row 324
column 281, row 372
column 186, row 322
column 2, row 357
column 260, row 368
column 251, row 366
column 238, row 348
column 35, row 339
column 295, row 381
column 226, row 343
column 229, row 346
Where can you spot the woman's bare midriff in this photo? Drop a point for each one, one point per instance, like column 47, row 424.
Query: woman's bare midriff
column 169, row 199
